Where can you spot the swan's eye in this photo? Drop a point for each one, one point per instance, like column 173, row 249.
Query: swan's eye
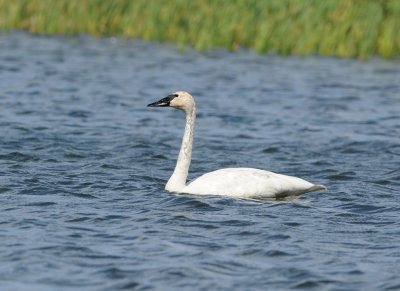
column 175, row 95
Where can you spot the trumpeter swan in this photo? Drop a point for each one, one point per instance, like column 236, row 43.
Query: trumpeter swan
column 234, row 182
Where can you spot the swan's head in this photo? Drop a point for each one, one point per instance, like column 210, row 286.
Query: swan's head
column 180, row 100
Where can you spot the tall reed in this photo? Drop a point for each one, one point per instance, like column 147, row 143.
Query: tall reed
column 345, row 28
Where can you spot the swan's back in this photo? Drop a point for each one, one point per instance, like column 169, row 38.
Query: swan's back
column 249, row 183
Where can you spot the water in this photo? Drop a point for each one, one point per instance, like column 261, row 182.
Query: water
column 84, row 162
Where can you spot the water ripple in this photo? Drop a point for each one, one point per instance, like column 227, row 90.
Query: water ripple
column 84, row 164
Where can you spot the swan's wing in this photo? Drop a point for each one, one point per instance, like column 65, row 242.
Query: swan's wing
column 247, row 183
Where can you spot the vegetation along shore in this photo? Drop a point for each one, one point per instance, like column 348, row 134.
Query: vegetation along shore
column 345, row 28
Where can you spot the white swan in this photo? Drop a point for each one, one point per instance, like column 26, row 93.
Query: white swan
column 233, row 182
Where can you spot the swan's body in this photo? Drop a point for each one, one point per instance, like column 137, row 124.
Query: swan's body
column 249, row 183
column 234, row 182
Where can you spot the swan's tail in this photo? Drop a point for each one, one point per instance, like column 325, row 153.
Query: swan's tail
column 317, row 187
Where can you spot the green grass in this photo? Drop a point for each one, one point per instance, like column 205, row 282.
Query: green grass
column 345, row 28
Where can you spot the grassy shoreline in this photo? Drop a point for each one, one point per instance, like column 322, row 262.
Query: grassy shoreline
column 344, row 28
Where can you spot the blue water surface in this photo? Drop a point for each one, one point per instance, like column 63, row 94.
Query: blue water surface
column 83, row 164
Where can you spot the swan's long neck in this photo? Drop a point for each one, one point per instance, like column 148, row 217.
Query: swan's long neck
column 178, row 179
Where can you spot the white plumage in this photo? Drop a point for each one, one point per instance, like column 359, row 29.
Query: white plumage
column 233, row 182
column 248, row 183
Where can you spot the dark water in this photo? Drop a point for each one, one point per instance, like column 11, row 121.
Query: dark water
column 83, row 164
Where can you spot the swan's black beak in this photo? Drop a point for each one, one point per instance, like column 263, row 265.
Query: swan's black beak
column 163, row 102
